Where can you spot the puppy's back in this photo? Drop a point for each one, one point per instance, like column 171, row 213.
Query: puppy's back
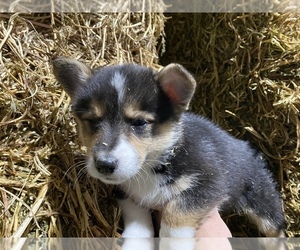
column 232, row 172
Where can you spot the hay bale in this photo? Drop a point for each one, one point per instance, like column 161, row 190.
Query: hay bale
column 247, row 66
column 44, row 190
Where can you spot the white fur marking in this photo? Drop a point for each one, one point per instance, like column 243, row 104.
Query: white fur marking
column 150, row 190
column 266, row 226
column 137, row 220
column 138, row 244
column 127, row 158
column 176, row 232
column 117, row 82
column 176, row 238
column 178, row 244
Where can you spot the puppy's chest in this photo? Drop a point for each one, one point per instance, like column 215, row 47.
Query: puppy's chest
column 153, row 188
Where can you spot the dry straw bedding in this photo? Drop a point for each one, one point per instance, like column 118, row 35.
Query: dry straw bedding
column 247, row 67
column 41, row 168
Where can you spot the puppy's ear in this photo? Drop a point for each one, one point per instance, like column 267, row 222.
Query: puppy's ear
column 71, row 74
column 178, row 84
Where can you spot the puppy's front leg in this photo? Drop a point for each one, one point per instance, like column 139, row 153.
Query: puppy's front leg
column 178, row 227
column 138, row 227
column 137, row 220
column 178, row 223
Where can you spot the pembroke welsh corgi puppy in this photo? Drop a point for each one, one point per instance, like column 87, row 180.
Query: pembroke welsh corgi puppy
column 140, row 139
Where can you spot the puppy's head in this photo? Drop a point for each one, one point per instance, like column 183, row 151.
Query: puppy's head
column 127, row 114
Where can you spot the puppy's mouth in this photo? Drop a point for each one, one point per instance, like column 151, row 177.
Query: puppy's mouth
column 112, row 180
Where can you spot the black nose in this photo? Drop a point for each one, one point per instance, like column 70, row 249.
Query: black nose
column 106, row 166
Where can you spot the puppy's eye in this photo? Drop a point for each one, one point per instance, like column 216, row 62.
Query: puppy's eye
column 138, row 123
column 93, row 121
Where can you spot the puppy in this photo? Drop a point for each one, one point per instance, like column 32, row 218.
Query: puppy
column 159, row 157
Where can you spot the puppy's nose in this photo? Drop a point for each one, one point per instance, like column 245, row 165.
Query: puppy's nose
column 106, row 166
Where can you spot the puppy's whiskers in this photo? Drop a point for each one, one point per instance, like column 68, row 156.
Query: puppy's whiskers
column 73, row 168
column 81, row 174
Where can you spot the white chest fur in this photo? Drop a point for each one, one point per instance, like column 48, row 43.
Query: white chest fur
column 152, row 190
column 148, row 190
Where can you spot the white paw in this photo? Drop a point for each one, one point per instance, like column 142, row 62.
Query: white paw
column 137, row 230
column 137, row 220
column 138, row 244
column 176, row 238
column 179, row 232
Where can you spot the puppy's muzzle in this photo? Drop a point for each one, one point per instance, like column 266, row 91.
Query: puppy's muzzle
column 105, row 165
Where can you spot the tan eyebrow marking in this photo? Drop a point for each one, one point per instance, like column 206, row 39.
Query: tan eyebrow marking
column 95, row 111
column 132, row 111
